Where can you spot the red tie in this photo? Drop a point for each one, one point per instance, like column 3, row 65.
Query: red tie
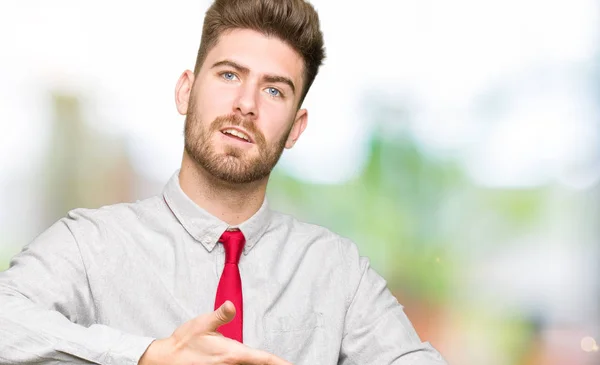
column 230, row 285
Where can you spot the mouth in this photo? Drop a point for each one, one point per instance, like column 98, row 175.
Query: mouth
column 237, row 134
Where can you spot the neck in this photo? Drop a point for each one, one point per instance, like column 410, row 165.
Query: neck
column 232, row 203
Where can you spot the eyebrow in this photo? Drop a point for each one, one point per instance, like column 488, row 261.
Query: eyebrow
column 268, row 78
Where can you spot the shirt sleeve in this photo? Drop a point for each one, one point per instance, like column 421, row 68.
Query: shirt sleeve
column 47, row 313
column 376, row 329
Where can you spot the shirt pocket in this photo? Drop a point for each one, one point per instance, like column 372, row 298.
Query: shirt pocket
column 297, row 338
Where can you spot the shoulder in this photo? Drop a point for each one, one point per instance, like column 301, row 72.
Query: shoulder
column 99, row 222
column 85, row 230
column 316, row 236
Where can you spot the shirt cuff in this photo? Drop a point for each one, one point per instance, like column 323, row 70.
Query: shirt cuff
column 129, row 352
column 107, row 347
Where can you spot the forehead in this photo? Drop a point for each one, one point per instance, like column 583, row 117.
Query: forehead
column 261, row 54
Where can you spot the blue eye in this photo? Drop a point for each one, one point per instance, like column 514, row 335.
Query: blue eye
column 273, row 91
column 228, row 76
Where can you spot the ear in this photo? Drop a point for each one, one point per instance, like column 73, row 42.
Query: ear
column 298, row 127
column 183, row 91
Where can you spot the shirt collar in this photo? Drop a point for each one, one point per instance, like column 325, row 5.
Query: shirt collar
column 206, row 228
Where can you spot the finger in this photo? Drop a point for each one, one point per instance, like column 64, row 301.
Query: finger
column 224, row 314
column 257, row 357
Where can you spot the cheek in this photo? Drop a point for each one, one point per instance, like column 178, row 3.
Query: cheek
column 215, row 100
column 275, row 121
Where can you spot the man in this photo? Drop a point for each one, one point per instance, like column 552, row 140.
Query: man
column 128, row 283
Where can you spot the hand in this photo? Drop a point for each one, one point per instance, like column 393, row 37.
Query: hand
column 198, row 342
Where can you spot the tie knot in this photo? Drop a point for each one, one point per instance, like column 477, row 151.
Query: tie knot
column 233, row 241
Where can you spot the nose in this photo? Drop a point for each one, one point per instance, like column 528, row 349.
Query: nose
column 246, row 104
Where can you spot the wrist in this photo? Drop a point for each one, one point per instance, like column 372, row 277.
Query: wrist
column 152, row 355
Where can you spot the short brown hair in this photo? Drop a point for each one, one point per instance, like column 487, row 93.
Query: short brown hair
column 293, row 21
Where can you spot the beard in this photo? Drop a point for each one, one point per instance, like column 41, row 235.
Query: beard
column 235, row 165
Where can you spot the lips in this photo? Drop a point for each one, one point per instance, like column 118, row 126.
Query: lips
column 235, row 137
column 237, row 134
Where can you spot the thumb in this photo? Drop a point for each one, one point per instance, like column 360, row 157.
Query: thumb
column 222, row 315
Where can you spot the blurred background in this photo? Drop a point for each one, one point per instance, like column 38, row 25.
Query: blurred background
column 456, row 142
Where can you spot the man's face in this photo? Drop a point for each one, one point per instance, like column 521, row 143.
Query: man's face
column 242, row 108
